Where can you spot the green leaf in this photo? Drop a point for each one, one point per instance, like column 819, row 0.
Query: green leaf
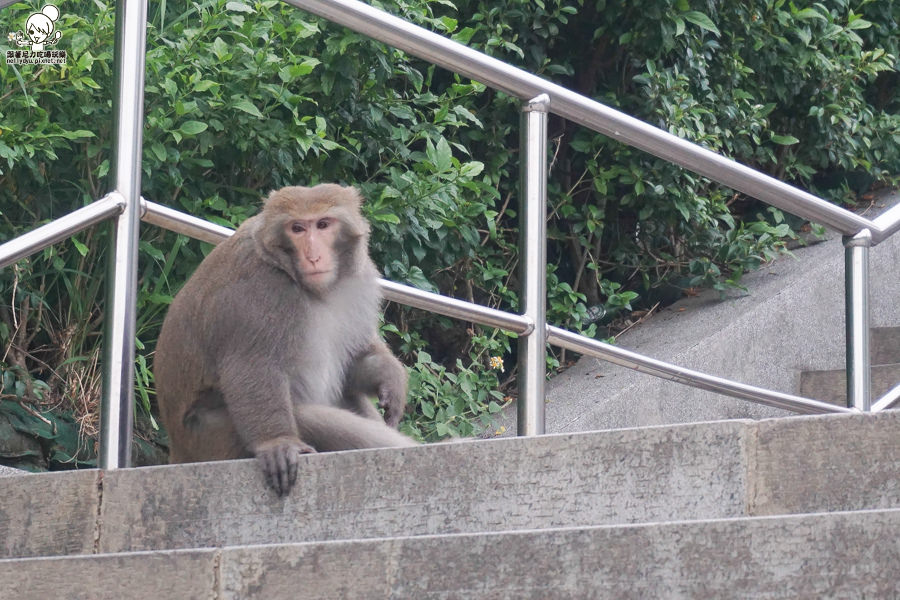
column 192, row 128
column 767, row 109
column 82, row 249
column 427, row 409
column 582, row 143
column 859, row 24
column 416, row 278
column 472, row 169
column 25, row 421
column 248, row 107
column 464, row 35
column 7, row 152
column 809, row 13
column 148, row 249
column 79, row 133
column 700, row 20
column 219, row 48
column 204, row 84
column 239, row 7
column 443, row 156
column 448, row 24
column 291, row 72
column 784, row 140
column 403, row 112
column 158, row 150
column 386, row 218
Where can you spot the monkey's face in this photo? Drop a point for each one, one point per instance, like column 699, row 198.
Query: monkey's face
column 315, row 242
column 315, row 235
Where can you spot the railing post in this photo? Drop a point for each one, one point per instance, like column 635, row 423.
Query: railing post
column 116, row 412
column 856, row 290
column 533, row 265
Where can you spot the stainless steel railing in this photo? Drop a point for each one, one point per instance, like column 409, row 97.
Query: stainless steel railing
column 524, row 325
column 540, row 98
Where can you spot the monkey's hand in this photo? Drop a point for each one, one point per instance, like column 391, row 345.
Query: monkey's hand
column 378, row 372
column 392, row 399
column 279, row 458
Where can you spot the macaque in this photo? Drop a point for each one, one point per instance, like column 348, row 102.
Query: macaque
column 271, row 348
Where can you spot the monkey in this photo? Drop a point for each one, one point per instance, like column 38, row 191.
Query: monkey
column 271, row 350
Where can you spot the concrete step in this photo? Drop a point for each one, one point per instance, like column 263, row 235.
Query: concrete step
column 831, row 386
column 836, row 555
column 884, row 345
column 674, row 473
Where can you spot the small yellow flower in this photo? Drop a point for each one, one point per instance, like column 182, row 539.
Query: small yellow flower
column 500, row 431
column 497, row 363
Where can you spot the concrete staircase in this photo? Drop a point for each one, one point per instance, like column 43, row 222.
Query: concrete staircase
column 806, row 507
column 831, row 385
column 667, row 501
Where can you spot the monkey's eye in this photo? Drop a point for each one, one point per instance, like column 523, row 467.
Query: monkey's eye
column 323, row 224
column 297, row 228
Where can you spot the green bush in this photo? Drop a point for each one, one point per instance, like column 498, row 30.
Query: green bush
column 243, row 97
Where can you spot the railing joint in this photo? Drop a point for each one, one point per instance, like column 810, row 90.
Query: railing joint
column 540, row 103
column 863, row 239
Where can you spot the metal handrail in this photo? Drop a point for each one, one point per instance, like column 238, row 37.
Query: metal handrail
column 889, row 400
column 199, row 229
column 886, row 225
column 541, row 97
column 860, row 233
column 657, row 368
column 61, row 229
column 460, row 59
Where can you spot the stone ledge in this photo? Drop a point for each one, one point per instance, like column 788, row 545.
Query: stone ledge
column 656, row 474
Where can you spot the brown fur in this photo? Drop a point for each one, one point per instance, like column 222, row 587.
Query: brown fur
column 256, row 359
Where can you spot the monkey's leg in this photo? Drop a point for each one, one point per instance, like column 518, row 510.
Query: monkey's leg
column 206, row 432
column 361, row 404
column 327, row 429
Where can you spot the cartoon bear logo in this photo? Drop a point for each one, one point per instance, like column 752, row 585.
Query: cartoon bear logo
column 40, row 29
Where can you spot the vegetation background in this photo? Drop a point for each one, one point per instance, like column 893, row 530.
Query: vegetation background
column 245, row 96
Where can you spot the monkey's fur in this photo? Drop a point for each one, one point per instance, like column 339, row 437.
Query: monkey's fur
column 271, row 349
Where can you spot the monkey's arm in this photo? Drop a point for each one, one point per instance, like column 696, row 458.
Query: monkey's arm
column 259, row 403
column 377, row 372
